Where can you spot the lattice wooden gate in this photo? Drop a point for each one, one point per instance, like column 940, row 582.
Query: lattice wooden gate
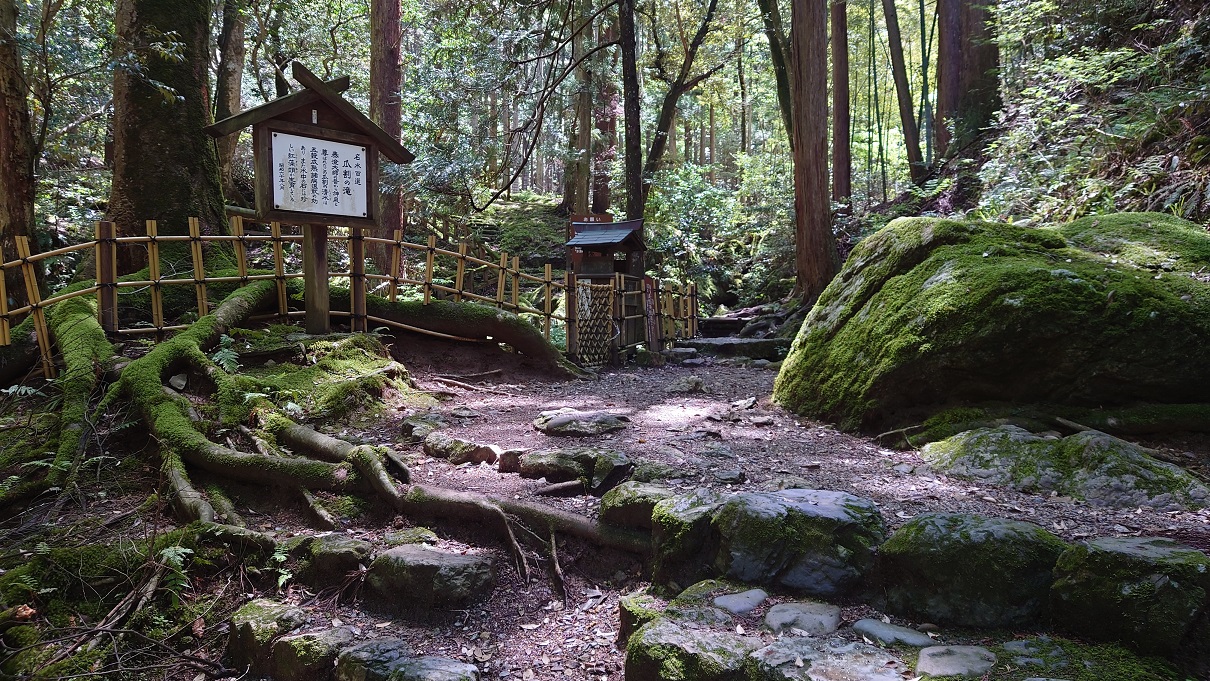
column 594, row 308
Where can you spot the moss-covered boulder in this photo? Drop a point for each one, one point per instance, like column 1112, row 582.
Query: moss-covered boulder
column 305, row 657
column 430, row 668
column 928, row 313
column 1098, row 468
column 630, row 504
column 373, row 660
column 333, row 557
column 966, row 570
column 438, row 444
column 635, row 610
column 414, row 576
column 682, row 542
column 254, row 627
column 1147, row 593
column 816, row 542
column 599, row 468
column 416, row 427
column 667, row 651
column 571, row 423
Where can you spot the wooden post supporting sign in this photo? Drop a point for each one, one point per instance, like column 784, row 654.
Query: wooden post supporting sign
column 315, row 279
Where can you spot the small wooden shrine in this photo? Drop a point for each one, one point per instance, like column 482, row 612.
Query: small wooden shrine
column 604, row 249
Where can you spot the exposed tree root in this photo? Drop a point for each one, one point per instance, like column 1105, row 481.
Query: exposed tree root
column 319, row 514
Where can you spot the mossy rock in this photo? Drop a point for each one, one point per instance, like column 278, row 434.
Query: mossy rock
column 571, row 423
column 1150, row 594
column 431, row 668
column 928, row 314
column 682, row 542
column 630, row 504
column 417, row 427
column 458, row 451
column 304, row 657
column 665, row 651
column 373, row 660
column 966, row 570
column 599, row 468
column 333, row 557
column 414, row 576
column 254, row 627
column 635, row 610
column 411, row 535
column 1098, row 468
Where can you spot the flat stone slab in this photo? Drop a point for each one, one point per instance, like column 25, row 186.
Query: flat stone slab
column 890, row 634
column 816, row 619
column 771, row 349
column 415, row 576
column 373, row 660
column 807, row 659
column 955, row 661
column 572, row 423
column 434, row 669
column 741, row 603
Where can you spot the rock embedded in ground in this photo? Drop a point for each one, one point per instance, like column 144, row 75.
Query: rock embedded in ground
column 815, row 542
column 810, row 659
column 652, row 471
column 635, row 610
column 413, row 576
column 410, row 535
column 255, row 626
column 556, row 465
column 967, row 570
column 955, row 661
column 888, row 634
column 509, row 461
column 816, row 619
column 304, row 657
column 741, row 603
column 1098, row 468
column 1037, row 652
column 771, row 349
column 666, row 651
column 373, row 660
column 686, row 385
column 431, row 668
column 630, row 504
column 457, row 451
column 572, row 423
column 1148, row 593
column 929, row 311
column 333, row 557
column 418, row 426
column 680, row 531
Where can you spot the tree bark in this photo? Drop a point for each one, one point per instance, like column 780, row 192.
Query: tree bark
column 165, row 167
column 386, row 79
column 815, row 248
column 907, row 117
column 227, row 88
column 631, row 97
column 17, row 182
column 967, row 64
column 605, row 148
column 842, row 153
column 780, row 55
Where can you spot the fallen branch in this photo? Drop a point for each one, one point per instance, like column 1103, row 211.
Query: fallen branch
column 468, row 386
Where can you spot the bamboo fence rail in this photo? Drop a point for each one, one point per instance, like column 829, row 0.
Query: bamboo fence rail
column 414, row 270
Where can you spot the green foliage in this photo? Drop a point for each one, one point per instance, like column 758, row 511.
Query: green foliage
column 174, row 581
column 225, row 355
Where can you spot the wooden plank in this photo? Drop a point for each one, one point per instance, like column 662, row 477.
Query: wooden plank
column 241, row 248
column 36, row 311
column 199, row 267
column 4, row 323
column 315, row 279
column 272, row 108
column 153, row 271
column 357, row 276
column 500, row 279
column 547, row 290
column 460, row 277
column 428, row 269
column 396, row 257
column 279, row 269
column 105, row 251
column 389, row 146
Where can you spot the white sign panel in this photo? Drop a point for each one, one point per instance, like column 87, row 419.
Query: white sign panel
column 319, row 176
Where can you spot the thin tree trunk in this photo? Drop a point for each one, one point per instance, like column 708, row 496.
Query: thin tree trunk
column 780, row 55
column 926, row 102
column 743, row 92
column 907, row 119
column 631, row 97
column 842, row 153
column 17, row 184
column 227, row 88
column 815, row 247
column 386, row 77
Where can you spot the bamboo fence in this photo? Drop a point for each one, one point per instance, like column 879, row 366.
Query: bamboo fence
column 414, row 271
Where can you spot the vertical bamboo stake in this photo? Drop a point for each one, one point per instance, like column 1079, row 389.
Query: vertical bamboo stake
column 546, row 307
column 617, row 306
column 460, row 277
column 516, row 274
column 153, row 271
column 199, row 268
column 4, row 335
column 693, row 310
column 428, row 269
column 279, row 269
column 241, row 248
column 35, row 303
column 357, row 302
column 570, row 315
column 396, row 256
column 105, row 250
column 500, row 279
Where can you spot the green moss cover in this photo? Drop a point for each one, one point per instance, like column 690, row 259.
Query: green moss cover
column 928, row 314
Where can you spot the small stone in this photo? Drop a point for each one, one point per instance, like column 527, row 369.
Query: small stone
column 179, row 381
column 464, row 412
column 817, row 619
column 759, row 363
column 458, row 451
column 509, row 461
column 730, row 476
column 417, row 427
column 569, row 422
column 741, row 603
column 890, row 634
column 697, row 362
column 686, row 385
column 955, row 661
column 411, row 535
column 762, row 420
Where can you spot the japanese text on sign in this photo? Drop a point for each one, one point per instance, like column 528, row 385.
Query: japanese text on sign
column 319, row 176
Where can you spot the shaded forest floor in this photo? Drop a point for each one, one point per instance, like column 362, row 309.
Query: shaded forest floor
column 729, row 437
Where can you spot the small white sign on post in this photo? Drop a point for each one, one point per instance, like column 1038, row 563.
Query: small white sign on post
column 319, row 176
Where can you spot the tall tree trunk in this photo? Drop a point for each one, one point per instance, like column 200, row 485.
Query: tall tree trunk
column 583, row 113
column 780, row 56
column 743, row 94
column 605, row 149
column 631, row 97
column 842, row 153
column 815, row 248
column 907, row 119
column 227, row 87
column 926, row 101
column 165, row 167
column 17, row 184
column 967, row 83
column 386, row 78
